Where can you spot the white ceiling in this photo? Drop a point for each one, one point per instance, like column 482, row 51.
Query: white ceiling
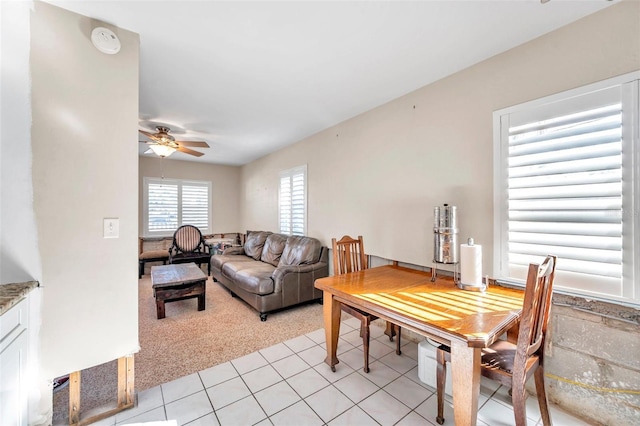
column 253, row 77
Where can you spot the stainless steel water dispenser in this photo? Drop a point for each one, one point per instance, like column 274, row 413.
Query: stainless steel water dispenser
column 445, row 239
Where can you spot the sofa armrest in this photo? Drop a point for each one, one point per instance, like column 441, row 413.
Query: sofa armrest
column 234, row 250
column 281, row 271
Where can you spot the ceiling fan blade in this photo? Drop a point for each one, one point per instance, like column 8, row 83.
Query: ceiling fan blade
column 148, row 151
column 190, row 151
column 200, row 144
column 149, row 135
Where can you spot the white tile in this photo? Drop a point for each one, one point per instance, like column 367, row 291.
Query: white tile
column 228, row 392
column 380, row 374
column 377, row 329
column 276, row 398
column 146, row 400
column 342, row 370
column 384, row 408
column 155, row 415
column 307, row 382
column 317, row 336
column 412, row 419
column 413, row 376
column 249, row 362
column 290, row 366
column 497, row 414
column 353, row 416
column 407, row 391
column 300, row 343
column 409, row 348
column 429, row 410
column 182, row 387
column 296, row 415
column 356, row 387
column 276, row 352
column 329, row 403
column 189, row 408
column 208, row 420
column 247, row 411
column 378, row 349
column 354, row 358
column 218, row 374
column 353, row 338
column 313, row 356
column 559, row 417
column 350, row 322
column 265, row 422
column 261, row 378
column 400, row 363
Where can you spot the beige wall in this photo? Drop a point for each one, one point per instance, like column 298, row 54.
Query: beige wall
column 85, row 168
column 380, row 174
column 225, row 184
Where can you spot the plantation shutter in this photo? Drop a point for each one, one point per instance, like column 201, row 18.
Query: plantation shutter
column 162, row 207
column 195, row 205
column 170, row 203
column 565, row 190
column 292, row 201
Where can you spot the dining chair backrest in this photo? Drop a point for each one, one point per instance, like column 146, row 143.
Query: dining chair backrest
column 535, row 312
column 188, row 239
column 348, row 255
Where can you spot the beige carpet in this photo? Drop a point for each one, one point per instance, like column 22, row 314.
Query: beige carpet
column 188, row 340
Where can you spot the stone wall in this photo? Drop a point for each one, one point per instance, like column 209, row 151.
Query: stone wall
column 593, row 360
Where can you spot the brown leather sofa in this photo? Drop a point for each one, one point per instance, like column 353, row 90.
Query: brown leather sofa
column 272, row 271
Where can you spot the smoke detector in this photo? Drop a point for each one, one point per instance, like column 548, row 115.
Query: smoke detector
column 105, row 40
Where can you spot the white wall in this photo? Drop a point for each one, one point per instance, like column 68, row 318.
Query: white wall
column 380, row 174
column 84, row 147
column 225, row 184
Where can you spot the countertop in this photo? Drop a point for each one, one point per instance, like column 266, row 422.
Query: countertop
column 10, row 294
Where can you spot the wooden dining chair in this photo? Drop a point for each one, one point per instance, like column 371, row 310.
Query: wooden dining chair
column 349, row 256
column 512, row 364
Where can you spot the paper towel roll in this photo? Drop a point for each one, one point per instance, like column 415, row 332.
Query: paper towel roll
column 471, row 264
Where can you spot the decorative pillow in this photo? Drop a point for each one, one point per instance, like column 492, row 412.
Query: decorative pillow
column 273, row 248
column 300, row 251
column 254, row 243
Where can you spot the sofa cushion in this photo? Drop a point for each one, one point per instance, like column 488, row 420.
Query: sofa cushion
column 220, row 259
column 273, row 247
column 255, row 242
column 252, row 277
column 300, row 251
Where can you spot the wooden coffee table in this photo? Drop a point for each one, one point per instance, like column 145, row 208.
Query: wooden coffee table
column 177, row 282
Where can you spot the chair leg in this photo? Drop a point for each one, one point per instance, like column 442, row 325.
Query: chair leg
column 365, row 342
column 519, row 399
column 542, row 396
column 441, row 376
column 140, row 269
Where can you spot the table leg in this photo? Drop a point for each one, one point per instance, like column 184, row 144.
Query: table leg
column 331, row 310
column 160, row 308
column 201, row 297
column 465, row 369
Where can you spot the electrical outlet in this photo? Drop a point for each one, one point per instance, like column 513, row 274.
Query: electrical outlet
column 111, row 227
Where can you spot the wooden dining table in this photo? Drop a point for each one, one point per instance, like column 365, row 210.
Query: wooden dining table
column 465, row 320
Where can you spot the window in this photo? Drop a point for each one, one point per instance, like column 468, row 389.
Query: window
column 566, row 183
column 292, row 201
column 170, row 203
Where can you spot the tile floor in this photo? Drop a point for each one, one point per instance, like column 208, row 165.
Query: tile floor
column 289, row 384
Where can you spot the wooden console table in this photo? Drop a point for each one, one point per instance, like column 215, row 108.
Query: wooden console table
column 177, row 282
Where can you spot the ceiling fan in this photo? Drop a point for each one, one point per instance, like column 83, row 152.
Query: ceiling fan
column 163, row 144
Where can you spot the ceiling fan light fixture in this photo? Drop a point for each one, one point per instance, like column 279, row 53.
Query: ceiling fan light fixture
column 162, row 150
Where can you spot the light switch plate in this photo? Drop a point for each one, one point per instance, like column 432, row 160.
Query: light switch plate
column 111, row 227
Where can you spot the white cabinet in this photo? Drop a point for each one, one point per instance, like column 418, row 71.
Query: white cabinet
column 14, row 344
